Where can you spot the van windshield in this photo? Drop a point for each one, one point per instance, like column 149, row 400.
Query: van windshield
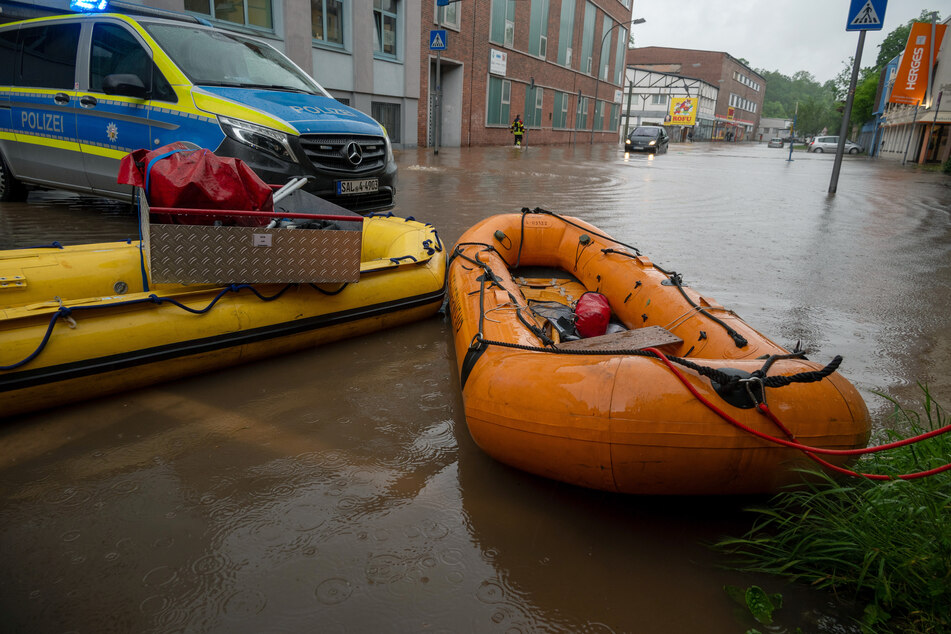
column 646, row 131
column 216, row 58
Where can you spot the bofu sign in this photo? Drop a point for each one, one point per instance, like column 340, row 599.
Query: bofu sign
column 683, row 111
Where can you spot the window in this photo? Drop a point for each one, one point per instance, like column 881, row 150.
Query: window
column 533, row 106
column 326, row 21
column 614, row 123
column 385, row 15
column 8, row 51
column 604, row 55
column 619, row 53
column 450, row 15
column 502, row 30
column 499, row 99
column 388, row 114
column 538, row 29
column 582, row 116
column 587, row 37
column 566, row 30
column 48, row 56
column 244, row 12
column 658, row 100
column 115, row 50
column 598, row 115
column 560, row 114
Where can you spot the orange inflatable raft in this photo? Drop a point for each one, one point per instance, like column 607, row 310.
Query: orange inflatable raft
column 668, row 403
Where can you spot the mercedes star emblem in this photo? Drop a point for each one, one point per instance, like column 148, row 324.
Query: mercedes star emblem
column 354, row 153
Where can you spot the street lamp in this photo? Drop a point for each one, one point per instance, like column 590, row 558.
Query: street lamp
column 597, row 77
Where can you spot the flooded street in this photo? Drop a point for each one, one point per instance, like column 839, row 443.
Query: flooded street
column 338, row 490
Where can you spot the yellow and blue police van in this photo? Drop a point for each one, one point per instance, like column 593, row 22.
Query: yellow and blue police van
column 80, row 91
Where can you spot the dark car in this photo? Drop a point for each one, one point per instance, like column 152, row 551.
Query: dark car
column 647, row 138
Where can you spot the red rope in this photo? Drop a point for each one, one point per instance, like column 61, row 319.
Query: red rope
column 806, row 449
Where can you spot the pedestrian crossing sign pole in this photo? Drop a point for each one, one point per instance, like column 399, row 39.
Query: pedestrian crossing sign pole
column 866, row 15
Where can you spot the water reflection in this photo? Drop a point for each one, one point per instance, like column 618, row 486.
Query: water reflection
column 337, row 489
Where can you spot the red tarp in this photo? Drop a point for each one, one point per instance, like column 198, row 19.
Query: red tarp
column 176, row 176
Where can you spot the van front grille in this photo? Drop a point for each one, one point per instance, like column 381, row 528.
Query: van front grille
column 344, row 154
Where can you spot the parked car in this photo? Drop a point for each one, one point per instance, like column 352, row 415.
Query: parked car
column 647, row 138
column 775, row 143
column 80, row 91
column 822, row 144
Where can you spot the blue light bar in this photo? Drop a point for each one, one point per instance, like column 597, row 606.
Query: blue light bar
column 87, row 6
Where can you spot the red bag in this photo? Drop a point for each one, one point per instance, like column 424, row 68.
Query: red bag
column 176, row 176
column 592, row 314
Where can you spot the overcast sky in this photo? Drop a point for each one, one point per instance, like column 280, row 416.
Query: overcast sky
column 786, row 36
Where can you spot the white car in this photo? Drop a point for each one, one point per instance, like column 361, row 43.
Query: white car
column 822, row 144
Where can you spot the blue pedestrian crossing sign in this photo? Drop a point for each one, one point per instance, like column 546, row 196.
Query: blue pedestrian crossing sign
column 866, row 15
column 437, row 40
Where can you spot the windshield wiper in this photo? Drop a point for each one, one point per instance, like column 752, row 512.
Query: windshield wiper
column 227, row 84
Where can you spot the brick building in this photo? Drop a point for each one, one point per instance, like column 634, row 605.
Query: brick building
column 740, row 98
column 543, row 59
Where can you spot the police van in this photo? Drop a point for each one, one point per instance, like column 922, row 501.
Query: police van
column 80, row 91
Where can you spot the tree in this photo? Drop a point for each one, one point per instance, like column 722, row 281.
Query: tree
column 863, row 103
column 774, row 110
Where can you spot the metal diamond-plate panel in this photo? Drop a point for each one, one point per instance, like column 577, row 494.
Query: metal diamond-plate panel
column 190, row 254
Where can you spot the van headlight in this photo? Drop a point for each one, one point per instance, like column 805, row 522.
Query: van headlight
column 389, row 146
column 652, row 143
column 257, row 136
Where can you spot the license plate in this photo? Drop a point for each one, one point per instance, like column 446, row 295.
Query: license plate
column 364, row 186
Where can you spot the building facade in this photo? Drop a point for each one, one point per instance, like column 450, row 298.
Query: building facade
column 557, row 63
column 647, row 97
column 919, row 134
column 773, row 128
column 741, row 89
column 364, row 52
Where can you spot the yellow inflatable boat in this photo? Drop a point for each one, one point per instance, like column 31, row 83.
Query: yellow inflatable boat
column 76, row 322
column 679, row 396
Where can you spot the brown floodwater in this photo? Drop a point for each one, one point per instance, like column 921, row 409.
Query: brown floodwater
column 337, row 489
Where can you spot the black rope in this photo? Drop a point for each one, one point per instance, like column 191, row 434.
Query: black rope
column 723, row 379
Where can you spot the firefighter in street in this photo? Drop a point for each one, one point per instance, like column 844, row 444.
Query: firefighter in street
column 518, row 129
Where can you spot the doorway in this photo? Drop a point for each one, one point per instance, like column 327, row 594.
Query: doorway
column 451, row 120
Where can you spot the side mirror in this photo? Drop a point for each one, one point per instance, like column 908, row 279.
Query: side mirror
column 124, row 84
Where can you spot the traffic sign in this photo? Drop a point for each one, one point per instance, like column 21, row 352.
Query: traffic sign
column 437, row 40
column 866, row 15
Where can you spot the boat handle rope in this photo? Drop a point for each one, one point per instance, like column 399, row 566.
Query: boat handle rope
column 808, row 450
column 727, row 381
column 427, row 244
column 758, row 377
column 65, row 312
column 675, row 278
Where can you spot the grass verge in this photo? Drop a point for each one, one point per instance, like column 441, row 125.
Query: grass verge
column 886, row 545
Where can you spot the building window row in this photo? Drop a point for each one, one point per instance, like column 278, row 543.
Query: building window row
column 326, row 17
column 743, row 79
column 743, row 104
column 242, row 12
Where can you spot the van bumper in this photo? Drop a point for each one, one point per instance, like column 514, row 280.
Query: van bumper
column 322, row 183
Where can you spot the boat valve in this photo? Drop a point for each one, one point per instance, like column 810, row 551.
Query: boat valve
column 502, row 238
column 585, row 239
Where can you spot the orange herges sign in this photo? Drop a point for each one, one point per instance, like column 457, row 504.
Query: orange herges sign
column 914, row 70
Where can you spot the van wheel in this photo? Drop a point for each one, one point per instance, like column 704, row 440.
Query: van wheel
column 818, row 150
column 854, row 150
column 11, row 190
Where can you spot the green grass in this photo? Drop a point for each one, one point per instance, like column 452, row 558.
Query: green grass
column 886, row 545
